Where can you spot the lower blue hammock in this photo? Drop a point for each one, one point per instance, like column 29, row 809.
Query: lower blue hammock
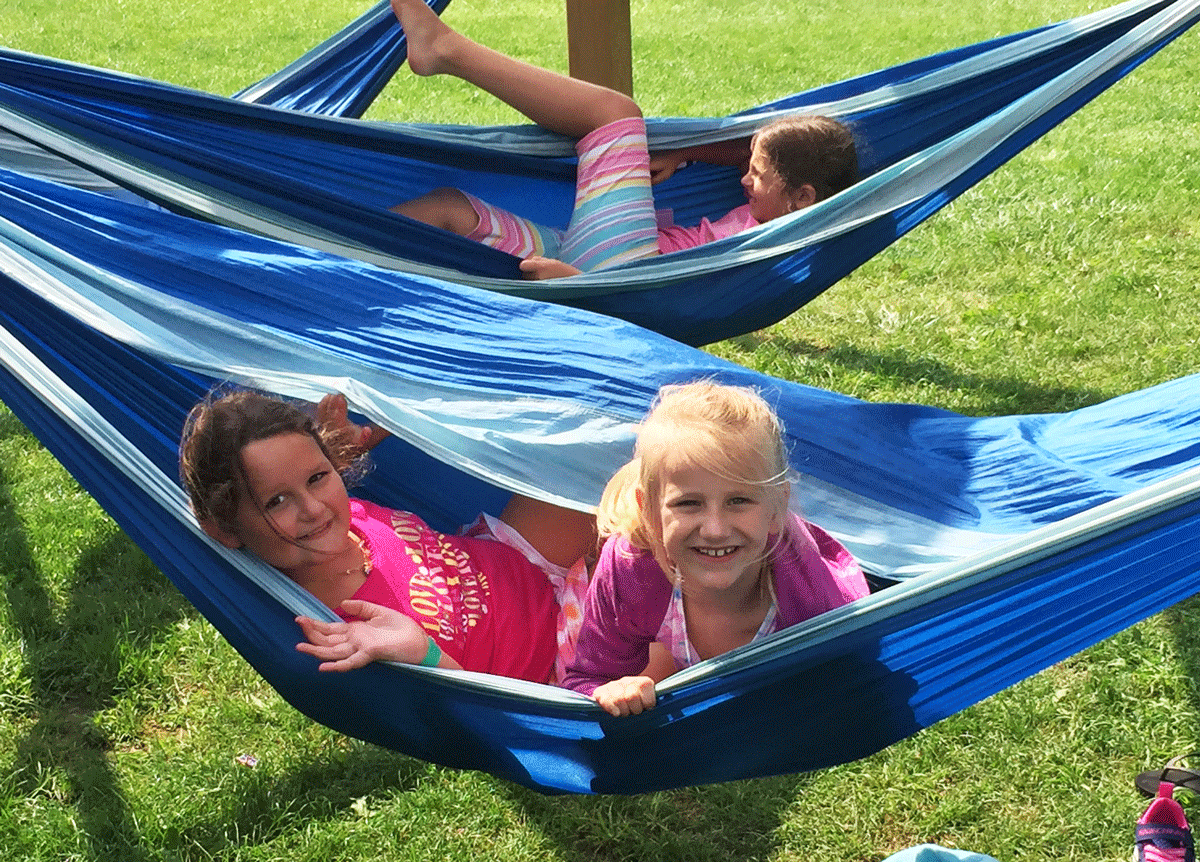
column 932, row 128
column 1013, row 541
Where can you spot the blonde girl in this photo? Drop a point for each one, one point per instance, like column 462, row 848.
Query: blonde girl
column 701, row 554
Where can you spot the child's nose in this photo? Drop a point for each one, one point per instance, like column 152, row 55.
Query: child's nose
column 713, row 524
column 312, row 506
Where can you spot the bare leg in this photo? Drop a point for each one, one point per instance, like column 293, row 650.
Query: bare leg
column 553, row 101
column 562, row 536
column 446, row 208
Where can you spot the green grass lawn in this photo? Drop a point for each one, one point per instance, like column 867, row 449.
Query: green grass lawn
column 1066, row 278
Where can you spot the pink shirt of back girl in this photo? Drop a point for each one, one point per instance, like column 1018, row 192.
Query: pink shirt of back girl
column 485, row 604
column 629, row 597
column 672, row 237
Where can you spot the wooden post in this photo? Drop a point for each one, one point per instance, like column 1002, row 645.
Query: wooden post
column 599, row 47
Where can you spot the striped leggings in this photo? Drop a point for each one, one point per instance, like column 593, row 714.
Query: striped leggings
column 613, row 220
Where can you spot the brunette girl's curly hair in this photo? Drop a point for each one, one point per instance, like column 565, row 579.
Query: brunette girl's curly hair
column 811, row 150
column 220, row 426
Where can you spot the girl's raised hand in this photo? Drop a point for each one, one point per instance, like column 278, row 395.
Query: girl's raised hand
column 333, row 414
column 629, row 695
column 663, row 166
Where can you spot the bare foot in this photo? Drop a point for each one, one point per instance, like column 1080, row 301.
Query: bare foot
column 430, row 40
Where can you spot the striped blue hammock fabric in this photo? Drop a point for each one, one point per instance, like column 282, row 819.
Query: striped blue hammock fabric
column 932, row 128
column 1013, row 541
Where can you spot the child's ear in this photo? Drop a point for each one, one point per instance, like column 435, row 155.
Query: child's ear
column 803, row 197
column 228, row 538
column 640, row 496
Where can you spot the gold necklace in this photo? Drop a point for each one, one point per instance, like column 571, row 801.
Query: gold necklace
column 365, row 568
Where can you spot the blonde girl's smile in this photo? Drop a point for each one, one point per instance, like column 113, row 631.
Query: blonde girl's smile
column 717, row 552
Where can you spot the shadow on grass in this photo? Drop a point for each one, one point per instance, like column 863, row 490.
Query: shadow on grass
column 73, row 659
column 739, row 820
column 265, row 807
column 736, row 820
column 993, row 395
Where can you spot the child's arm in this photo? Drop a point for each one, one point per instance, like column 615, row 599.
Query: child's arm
column 379, row 634
column 735, row 153
column 562, row 536
column 624, row 608
column 629, row 695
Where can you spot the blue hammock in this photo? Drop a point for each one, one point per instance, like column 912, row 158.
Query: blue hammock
column 932, row 128
column 1013, row 542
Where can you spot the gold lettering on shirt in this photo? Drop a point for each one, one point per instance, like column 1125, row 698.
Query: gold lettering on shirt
column 443, row 572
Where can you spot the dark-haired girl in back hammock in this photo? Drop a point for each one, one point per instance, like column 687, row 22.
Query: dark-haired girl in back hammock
column 789, row 165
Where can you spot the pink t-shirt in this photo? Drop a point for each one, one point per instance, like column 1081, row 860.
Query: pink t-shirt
column 485, row 604
column 672, row 237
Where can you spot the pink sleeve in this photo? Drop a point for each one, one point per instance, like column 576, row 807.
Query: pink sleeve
column 625, row 604
column 814, row 573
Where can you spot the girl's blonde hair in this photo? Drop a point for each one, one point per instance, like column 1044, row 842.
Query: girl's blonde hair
column 730, row 431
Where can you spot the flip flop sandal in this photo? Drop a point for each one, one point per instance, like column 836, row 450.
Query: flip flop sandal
column 1173, row 773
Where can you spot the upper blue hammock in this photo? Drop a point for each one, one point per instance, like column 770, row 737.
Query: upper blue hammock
column 342, row 76
column 1015, row 541
column 930, row 129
